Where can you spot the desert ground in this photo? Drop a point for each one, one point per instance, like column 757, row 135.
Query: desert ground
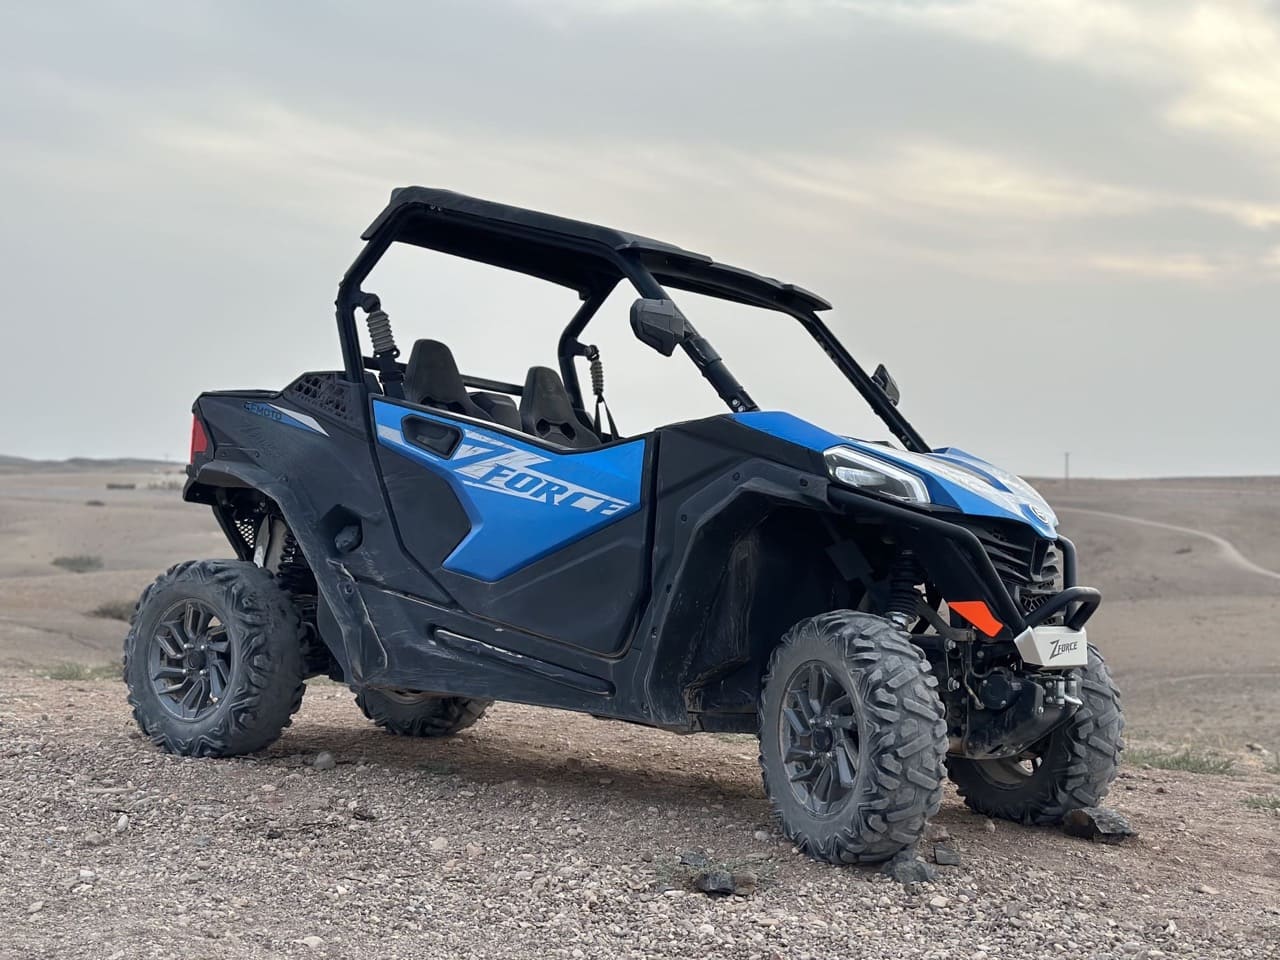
column 540, row 834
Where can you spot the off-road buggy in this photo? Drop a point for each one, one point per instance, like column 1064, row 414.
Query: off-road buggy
column 882, row 615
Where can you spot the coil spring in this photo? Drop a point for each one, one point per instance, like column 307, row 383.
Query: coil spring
column 904, row 574
column 380, row 333
column 293, row 574
column 597, row 373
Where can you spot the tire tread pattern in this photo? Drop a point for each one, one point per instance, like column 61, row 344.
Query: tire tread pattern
column 434, row 717
column 905, row 732
column 269, row 688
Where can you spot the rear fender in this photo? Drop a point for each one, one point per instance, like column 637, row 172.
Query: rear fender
column 356, row 645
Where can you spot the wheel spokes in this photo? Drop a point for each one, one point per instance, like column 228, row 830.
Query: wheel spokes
column 169, row 644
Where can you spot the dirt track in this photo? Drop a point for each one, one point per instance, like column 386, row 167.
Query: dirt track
column 544, row 834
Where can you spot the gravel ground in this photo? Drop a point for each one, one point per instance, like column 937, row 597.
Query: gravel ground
column 542, row 834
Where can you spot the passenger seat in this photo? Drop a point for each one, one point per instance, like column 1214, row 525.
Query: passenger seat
column 547, row 413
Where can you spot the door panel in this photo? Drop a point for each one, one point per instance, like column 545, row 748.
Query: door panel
column 523, row 501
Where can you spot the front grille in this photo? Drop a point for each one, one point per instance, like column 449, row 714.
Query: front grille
column 1028, row 564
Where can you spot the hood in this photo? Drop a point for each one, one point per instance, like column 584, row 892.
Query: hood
column 953, row 477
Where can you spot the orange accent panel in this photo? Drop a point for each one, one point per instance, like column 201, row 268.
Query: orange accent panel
column 977, row 613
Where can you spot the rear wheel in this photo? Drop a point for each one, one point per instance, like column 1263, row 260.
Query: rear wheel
column 1070, row 768
column 213, row 660
column 852, row 738
column 412, row 714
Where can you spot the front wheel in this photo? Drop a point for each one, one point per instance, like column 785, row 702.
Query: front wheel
column 1070, row 768
column 412, row 714
column 852, row 738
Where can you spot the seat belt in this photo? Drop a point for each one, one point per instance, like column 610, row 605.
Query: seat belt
column 592, row 353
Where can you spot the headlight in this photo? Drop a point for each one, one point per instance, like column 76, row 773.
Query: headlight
column 853, row 468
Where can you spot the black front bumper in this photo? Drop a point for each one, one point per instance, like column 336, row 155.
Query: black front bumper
column 961, row 568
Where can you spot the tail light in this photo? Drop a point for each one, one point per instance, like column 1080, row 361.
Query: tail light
column 199, row 439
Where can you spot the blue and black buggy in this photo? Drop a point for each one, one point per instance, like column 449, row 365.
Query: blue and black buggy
column 882, row 615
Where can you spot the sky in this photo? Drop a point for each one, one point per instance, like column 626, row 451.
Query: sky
column 1057, row 223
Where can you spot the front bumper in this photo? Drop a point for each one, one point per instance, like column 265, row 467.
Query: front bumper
column 961, row 568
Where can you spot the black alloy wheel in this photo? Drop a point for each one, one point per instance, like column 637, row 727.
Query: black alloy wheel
column 190, row 660
column 819, row 739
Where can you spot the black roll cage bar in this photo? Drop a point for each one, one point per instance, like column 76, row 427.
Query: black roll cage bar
column 627, row 265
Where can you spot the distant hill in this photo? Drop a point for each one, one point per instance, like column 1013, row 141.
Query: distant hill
column 85, row 464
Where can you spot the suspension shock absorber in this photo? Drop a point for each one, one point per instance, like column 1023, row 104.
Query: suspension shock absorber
column 904, row 574
column 385, row 350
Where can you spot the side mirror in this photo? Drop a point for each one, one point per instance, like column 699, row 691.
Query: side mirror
column 883, row 379
column 659, row 324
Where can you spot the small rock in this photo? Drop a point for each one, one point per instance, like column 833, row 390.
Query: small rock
column 312, row 942
column 937, row 832
column 945, row 856
column 1258, row 748
column 94, row 839
column 324, row 760
column 745, row 883
column 1012, row 909
column 1097, row 823
column 122, row 824
column 989, row 826
column 474, row 850
column 360, row 813
column 938, row 902
column 438, row 844
column 717, row 883
column 906, row 868
column 694, row 858
column 274, row 834
column 761, row 836
column 1207, row 890
column 36, row 906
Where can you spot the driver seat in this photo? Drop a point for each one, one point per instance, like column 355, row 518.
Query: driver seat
column 547, row 413
column 431, row 379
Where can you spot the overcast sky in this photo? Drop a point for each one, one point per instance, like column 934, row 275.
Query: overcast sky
column 1058, row 223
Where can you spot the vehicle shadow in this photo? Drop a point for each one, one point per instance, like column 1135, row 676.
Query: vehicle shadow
column 686, row 771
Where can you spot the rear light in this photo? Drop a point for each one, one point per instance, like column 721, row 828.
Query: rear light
column 199, row 440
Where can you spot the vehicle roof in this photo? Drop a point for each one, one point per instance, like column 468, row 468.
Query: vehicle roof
column 568, row 252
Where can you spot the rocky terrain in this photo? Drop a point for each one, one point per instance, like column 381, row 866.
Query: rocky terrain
column 537, row 833
column 542, row 834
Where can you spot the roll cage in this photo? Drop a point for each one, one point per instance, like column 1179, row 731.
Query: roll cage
column 592, row 260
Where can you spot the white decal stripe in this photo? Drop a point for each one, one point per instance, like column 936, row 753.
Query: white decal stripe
column 309, row 422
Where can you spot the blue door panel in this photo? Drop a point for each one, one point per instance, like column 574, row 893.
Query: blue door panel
column 524, row 501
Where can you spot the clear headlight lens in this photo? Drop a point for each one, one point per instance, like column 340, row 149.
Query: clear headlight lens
column 853, row 468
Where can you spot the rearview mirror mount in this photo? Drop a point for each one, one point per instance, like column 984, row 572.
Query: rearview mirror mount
column 883, row 379
column 659, row 324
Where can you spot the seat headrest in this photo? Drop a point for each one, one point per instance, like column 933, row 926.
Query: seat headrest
column 546, row 411
column 431, row 378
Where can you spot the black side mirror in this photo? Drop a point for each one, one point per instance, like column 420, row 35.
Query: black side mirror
column 659, row 324
column 883, row 379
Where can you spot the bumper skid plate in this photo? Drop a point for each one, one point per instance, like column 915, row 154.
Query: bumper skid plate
column 1053, row 647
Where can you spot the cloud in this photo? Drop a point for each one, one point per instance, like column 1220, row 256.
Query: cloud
column 1218, row 63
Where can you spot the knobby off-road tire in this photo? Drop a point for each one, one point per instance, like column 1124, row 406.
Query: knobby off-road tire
column 1072, row 767
column 420, row 714
column 886, row 720
column 231, row 619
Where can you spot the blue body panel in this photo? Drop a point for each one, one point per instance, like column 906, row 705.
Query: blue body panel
column 524, row 501
column 954, row 478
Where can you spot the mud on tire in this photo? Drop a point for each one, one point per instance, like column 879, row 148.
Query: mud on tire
column 1073, row 767
column 254, row 632
column 889, row 781
column 411, row 714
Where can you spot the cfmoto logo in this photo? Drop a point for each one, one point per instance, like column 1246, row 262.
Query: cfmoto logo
column 1040, row 513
